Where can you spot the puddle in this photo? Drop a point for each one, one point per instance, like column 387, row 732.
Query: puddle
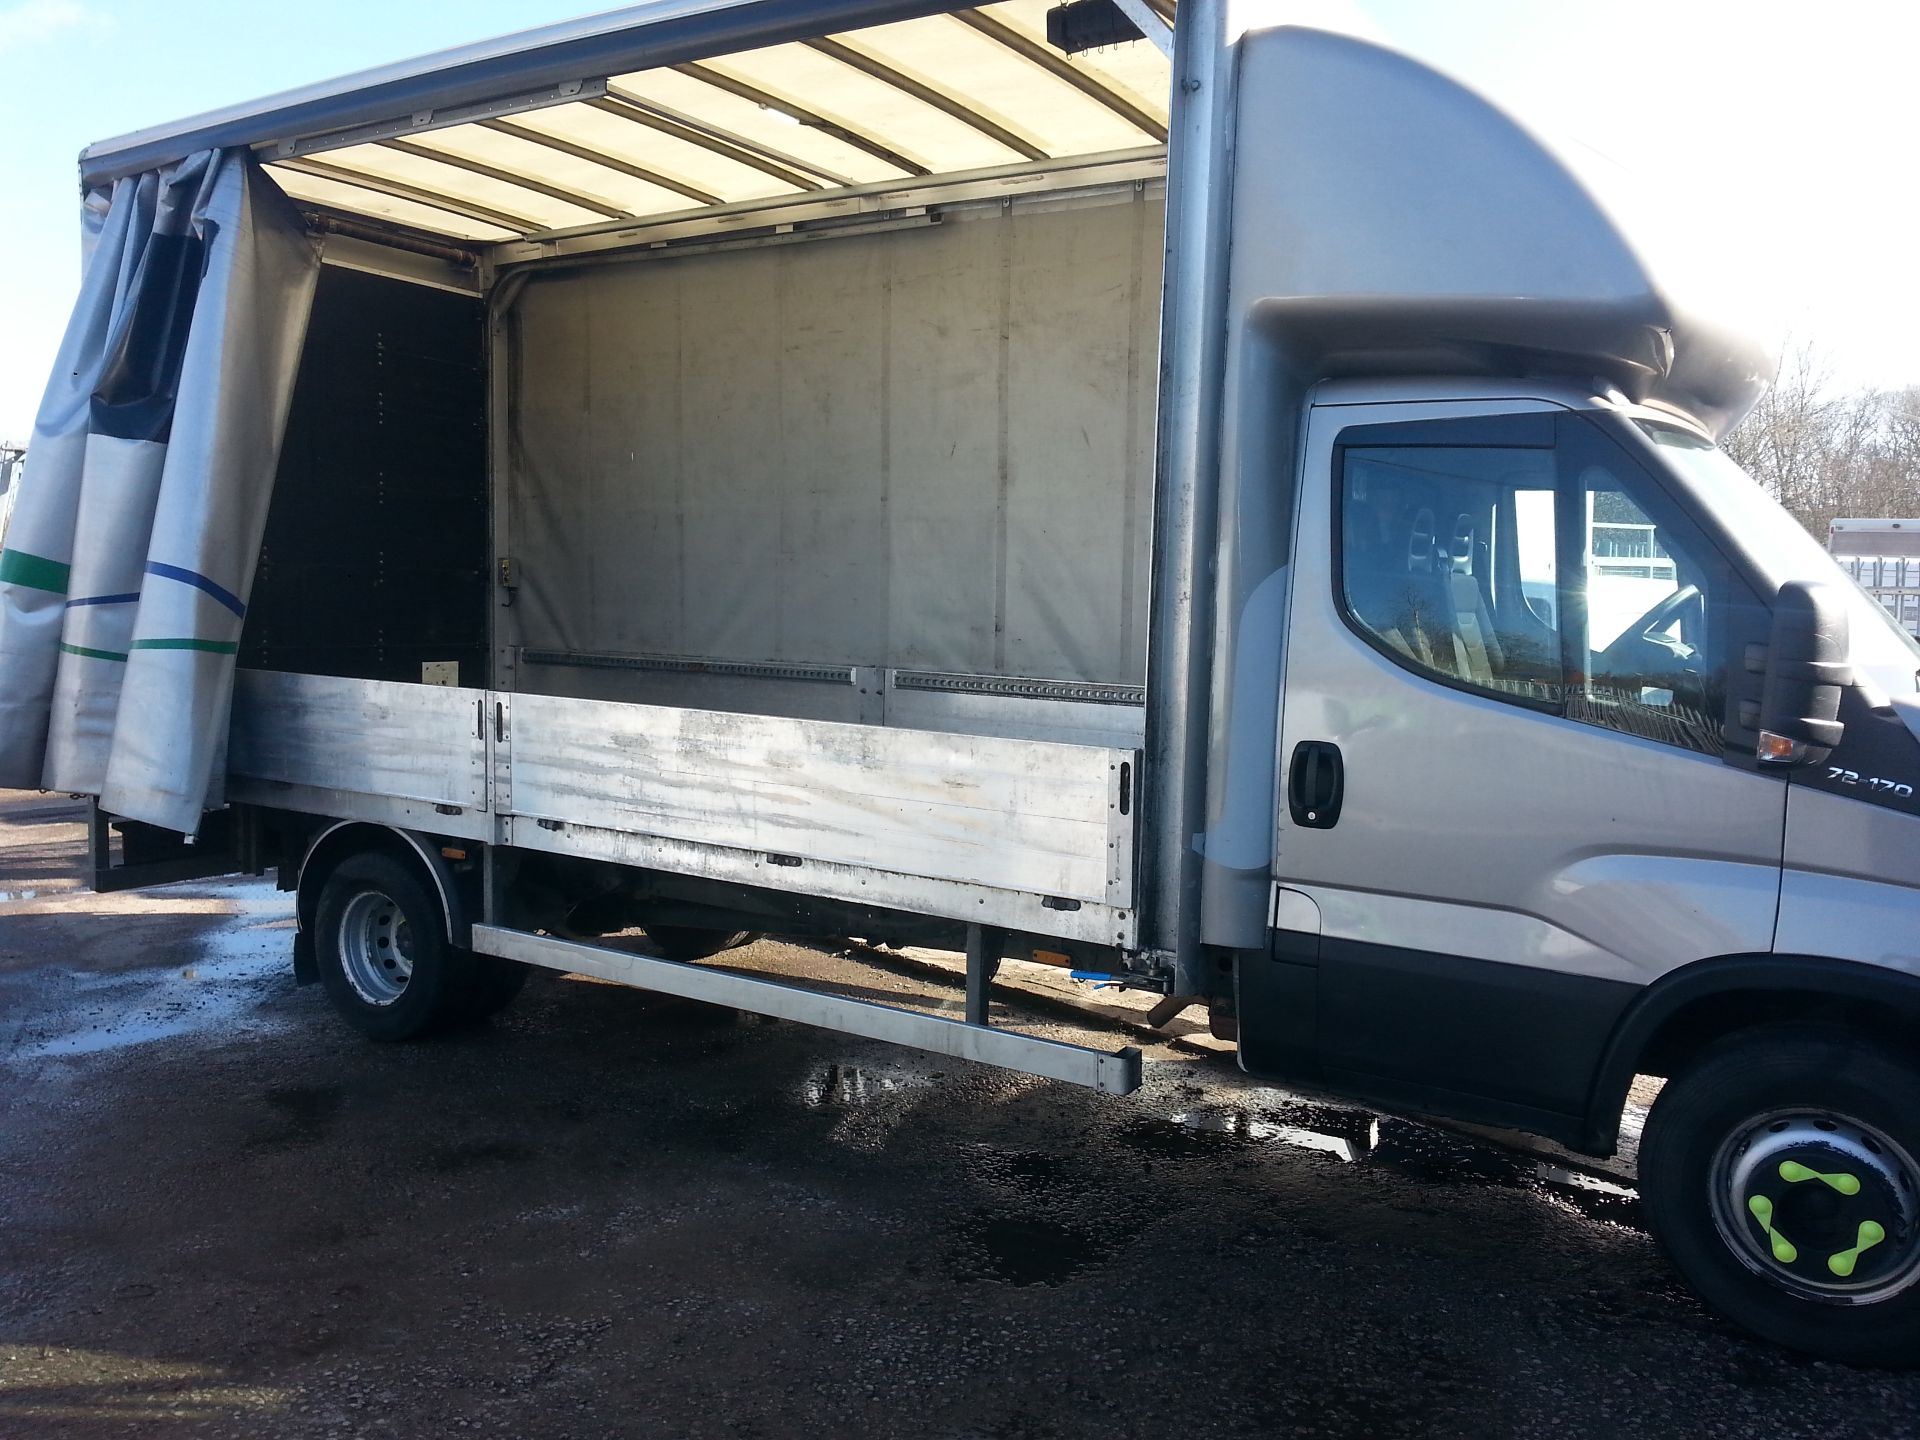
column 1593, row 1197
column 240, row 957
column 1432, row 1156
column 1016, row 1251
column 833, row 1084
column 1029, row 1172
column 1419, row 1152
column 1349, row 1135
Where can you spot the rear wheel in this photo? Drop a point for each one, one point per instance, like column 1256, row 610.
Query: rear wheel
column 380, row 940
column 1781, row 1174
column 689, row 942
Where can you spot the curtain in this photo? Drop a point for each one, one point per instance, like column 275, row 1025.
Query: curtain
column 137, row 526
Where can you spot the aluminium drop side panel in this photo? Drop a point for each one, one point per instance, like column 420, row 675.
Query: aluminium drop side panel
column 1015, row 815
column 923, row 449
column 1017, row 911
column 423, row 746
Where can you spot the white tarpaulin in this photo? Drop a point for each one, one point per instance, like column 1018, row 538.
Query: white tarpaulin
column 132, row 546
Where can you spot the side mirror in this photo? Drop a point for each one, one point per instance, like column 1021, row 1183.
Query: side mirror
column 1806, row 671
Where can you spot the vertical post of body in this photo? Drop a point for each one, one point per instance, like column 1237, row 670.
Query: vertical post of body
column 985, row 946
column 99, row 845
column 1186, row 481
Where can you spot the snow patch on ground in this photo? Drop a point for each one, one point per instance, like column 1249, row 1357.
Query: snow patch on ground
column 243, row 958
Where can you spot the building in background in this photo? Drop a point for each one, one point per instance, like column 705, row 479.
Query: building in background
column 1884, row 556
column 13, row 459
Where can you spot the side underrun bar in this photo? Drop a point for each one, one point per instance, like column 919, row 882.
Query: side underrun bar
column 1116, row 1073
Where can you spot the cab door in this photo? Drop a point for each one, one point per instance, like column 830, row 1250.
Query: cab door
column 1503, row 779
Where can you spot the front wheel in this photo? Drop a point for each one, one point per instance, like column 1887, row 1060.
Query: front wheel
column 1779, row 1174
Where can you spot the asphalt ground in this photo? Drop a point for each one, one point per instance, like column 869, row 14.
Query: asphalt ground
column 222, row 1213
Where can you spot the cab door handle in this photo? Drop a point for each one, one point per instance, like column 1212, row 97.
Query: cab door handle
column 1316, row 784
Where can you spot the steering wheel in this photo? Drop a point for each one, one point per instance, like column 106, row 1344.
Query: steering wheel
column 1642, row 650
column 1646, row 628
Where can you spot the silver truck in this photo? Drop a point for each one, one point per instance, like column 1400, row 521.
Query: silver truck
column 1217, row 505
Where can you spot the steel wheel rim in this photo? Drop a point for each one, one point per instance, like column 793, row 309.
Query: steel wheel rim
column 376, row 948
column 1820, row 1204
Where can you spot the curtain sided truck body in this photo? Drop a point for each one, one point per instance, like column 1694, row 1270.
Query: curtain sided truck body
column 1225, row 506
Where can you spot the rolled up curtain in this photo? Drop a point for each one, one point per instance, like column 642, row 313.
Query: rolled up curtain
column 137, row 527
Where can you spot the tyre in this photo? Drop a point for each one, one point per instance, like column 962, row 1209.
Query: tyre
column 495, row 984
column 385, row 961
column 689, row 942
column 1781, row 1175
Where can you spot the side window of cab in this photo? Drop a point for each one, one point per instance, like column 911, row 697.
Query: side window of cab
column 1532, row 560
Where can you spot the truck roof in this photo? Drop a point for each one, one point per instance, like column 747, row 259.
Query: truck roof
column 679, row 106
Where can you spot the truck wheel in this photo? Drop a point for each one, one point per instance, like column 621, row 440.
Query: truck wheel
column 689, row 942
column 384, row 957
column 1779, row 1174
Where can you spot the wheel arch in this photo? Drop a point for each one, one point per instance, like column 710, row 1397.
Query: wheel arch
column 343, row 839
column 1690, row 1008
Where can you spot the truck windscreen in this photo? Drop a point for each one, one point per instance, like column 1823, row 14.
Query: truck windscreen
column 1784, row 550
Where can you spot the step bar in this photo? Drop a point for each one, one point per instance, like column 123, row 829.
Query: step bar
column 1113, row 1072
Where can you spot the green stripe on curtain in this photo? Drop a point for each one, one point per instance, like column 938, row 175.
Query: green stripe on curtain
column 93, row 654
column 17, row 567
column 212, row 647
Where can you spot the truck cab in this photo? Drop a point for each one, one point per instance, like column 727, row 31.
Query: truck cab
column 1585, row 759
column 1530, row 840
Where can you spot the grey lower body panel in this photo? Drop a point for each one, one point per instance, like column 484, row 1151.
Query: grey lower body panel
column 1116, row 1073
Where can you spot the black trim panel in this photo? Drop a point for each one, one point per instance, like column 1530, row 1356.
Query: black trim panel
column 1472, row 1039
column 1877, row 759
column 1514, row 1033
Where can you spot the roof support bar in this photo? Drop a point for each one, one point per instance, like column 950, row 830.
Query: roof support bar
column 600, row 157
column 400, row 190
column 786, row 168
column 420, row 122
column 920, row 90
column 839, row 130
column 1059, row 66
column 508, row 177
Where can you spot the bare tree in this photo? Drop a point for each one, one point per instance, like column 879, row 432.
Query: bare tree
column 1823, row 452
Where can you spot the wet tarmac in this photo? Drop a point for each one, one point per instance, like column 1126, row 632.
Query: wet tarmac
column 608, row 1214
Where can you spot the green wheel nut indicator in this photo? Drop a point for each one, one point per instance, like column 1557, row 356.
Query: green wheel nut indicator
column 1793, row 1173
column 1870, row 1235
column 1783, row 1248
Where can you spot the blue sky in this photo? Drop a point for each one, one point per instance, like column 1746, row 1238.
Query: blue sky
column 1799, row 121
